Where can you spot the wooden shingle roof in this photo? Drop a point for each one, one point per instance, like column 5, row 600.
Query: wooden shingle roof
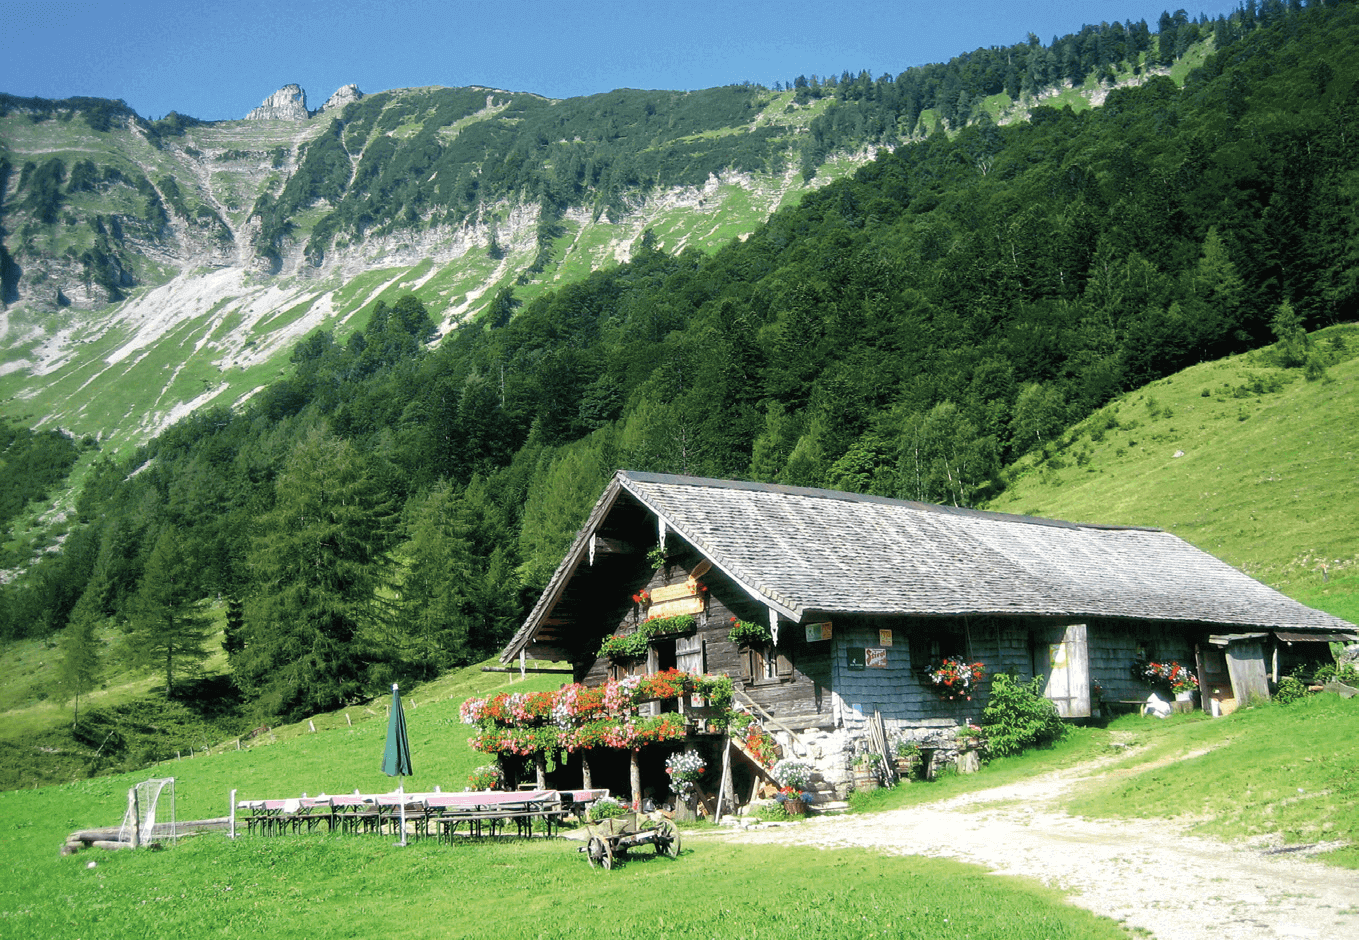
column 802, row 551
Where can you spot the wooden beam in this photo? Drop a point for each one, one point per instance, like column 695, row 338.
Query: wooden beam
column 706, row 800
column 740, row 748
column 556, row 669
column 603, row 546
column 747, row 700
column 725, row 785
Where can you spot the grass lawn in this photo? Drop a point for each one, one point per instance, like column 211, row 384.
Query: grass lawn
column 324, row 886
column 352, row 886
column 1288, row 770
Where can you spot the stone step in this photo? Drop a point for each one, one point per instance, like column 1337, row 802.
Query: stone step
column 827, row 808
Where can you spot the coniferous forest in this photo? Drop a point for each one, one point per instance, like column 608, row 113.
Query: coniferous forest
column 391, row 508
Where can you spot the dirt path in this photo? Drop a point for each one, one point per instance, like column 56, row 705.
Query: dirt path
column 1202, row 889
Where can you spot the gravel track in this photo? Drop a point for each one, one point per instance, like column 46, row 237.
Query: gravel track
column 1116, row 868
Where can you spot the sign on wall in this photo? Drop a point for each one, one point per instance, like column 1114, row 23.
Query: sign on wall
column 875, row 658
column 816, row 632
column 673, row 608
column 672, row 600
column 884, row 637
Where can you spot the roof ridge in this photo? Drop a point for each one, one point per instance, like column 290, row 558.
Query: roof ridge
column 672, row 479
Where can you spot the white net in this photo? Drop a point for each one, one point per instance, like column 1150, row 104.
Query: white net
column 141, row 812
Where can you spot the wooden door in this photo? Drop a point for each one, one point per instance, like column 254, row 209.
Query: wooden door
column 1063, row 656
column 1246, row 665
column 1215, row 682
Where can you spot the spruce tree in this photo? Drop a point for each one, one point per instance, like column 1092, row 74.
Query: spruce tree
column 167, row 625
column 436, row 587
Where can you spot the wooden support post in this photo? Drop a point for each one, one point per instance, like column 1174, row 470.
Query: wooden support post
column 540, row 770
column 724, row 788
column 635, row 776
column 586, row 780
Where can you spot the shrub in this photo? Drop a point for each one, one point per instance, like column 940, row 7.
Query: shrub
column 1291, row 689
column 1344, row 672
column 1018, row 717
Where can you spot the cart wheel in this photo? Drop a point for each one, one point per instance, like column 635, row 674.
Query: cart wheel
column 668, row 839
column 599, row 853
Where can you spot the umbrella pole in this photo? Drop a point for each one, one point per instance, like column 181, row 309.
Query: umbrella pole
column 401, row 795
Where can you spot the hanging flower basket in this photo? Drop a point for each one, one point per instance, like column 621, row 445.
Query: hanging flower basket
column 956, row 679
column 685, row 769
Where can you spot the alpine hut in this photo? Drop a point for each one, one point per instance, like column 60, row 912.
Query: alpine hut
column 843, row 619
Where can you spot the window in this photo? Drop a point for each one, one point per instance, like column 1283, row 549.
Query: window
column 928, row 650
column 768, row 664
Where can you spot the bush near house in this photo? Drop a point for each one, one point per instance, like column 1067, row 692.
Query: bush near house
column 1017, row 716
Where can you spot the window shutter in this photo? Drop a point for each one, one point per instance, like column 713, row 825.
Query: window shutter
column 784, row 666
column 689, row 653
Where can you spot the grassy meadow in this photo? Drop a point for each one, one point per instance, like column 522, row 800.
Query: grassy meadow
column 1246, row 460
column 1287, row 771
column 334, row 886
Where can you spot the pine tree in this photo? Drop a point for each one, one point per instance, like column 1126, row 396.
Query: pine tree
column 167, row 625
column 79, row 669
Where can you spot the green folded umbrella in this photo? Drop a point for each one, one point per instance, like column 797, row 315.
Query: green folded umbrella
column 396, row 759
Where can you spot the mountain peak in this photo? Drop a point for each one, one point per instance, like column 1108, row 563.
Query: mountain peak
column 289, row 103
column 342, row 97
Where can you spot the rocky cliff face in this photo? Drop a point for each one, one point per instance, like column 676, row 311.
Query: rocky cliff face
column 289, row 103
column 342, row 97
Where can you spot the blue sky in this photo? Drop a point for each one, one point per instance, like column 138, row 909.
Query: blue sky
column 219, row 60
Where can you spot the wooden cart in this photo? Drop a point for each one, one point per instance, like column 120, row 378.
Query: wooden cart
column 609, row 841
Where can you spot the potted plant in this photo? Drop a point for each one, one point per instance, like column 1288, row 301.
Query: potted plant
column 486, row 777
column 971, row 736
column 792, row 801
column 795, row 779
column 685, row 768
column 907, row 754
column 1178, row 680
column 867, row 772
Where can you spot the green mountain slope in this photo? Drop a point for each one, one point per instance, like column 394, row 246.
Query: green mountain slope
column 150, row 268
column 159, row 270
column 908, row 330
column 1246, row 459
